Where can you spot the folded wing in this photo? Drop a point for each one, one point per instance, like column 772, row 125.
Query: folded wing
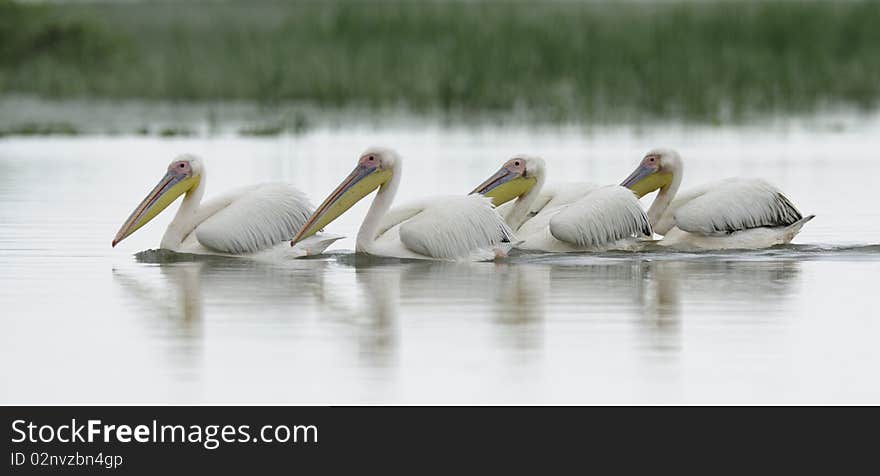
column 454, row 227
column 253, row 218
column 605, row 215
column 735, row 205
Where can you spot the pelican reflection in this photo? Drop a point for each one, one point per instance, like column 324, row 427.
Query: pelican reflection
column 741, row 287
column 175, row 294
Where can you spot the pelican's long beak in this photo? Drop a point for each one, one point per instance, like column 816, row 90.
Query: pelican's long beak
column 163, row 194
column 646, row 179
column 504, row 186
column 359, row 183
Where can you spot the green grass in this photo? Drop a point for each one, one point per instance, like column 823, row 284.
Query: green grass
column 175, row 132
column 262, row 130
column 296, row 123
column 713, row 61
column 32, row 129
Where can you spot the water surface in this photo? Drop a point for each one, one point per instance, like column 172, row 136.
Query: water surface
column 83, row 322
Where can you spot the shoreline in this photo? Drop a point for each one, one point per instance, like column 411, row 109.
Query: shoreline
column 23, row 116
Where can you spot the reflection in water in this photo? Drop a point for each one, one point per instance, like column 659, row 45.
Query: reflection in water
column 179, row 300
column 660, row 301
column 791, row 323
column 519, row 294
column 357, row 313
column 367, row 312
column 377, row 335
column 511, row 296
column 740, row 285
column 516, row 298
column 174, row 302
column 519, row 305
column 176, row 299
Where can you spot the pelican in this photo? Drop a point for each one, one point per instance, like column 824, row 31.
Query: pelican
column 445, row 228
column 568, row 217
column 736, row 213
column 251, row 220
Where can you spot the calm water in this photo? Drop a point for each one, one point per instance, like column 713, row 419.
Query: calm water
column 83, row 322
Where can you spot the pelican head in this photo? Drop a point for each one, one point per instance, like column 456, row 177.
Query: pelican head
column 374, row 169
column 514, row 179
column 655, row 171
column 183, row 175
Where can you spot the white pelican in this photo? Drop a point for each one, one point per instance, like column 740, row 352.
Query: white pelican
column 446, row 228
column 733, row 213
column 568, row 217
column 247, row 221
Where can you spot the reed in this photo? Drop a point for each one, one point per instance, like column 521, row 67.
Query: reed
column 706, row 61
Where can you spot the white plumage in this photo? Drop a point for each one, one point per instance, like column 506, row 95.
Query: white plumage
column 732, row 205
column 252, row 219
column 530, row 220
column 455, row 229
column 606, row 215
column 574, row 216
column 442, row 228
column 540, row 198
column 257, row 219
column 747, row 213
column 400, row 214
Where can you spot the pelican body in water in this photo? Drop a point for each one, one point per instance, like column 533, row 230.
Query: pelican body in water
column 443, row 228
column 252, row 220
column 735, row 213
column 567, row 217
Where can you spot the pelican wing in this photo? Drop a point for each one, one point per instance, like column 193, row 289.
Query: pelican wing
column 398, row 215
column 562, row 194
column 605, row 215
column 455, row 227
column 557, row 197
column 253, row 218
column 735, row 205
column 667, row 220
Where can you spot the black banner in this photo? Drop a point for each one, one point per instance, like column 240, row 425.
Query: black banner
column 152, row 440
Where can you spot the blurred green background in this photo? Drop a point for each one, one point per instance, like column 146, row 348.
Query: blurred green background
column 555, row 61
